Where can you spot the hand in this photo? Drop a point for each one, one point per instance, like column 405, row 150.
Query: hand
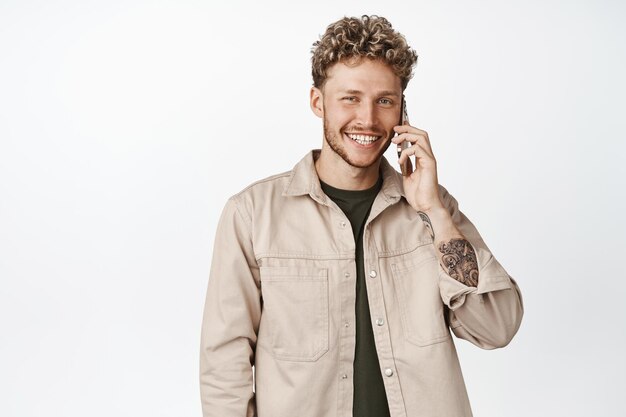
column 421, row 187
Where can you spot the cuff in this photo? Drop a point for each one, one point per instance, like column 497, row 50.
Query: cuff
column 491, row 277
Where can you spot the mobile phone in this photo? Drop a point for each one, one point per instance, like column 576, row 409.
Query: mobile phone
column 407, row 166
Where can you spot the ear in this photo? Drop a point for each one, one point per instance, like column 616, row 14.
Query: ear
column 317, row 101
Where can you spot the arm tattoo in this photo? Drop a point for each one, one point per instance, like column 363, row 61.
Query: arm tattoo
column 459, row 259
column 428, row 224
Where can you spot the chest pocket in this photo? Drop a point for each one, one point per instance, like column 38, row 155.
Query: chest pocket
column 295, row 319
column 419, row 301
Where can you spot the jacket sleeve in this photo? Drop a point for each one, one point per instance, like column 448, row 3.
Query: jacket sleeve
column 230, row 321
column 488, row 315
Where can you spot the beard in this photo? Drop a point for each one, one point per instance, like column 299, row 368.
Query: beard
column 335, row 142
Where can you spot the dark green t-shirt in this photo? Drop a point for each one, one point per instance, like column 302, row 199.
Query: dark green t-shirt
column 370, row 399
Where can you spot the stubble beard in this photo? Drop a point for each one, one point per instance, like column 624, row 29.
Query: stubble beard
column 336, row 144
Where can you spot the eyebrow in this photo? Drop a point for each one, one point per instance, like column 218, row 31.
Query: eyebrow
column 380, row 93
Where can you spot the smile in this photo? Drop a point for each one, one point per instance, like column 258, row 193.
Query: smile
column 363, row 139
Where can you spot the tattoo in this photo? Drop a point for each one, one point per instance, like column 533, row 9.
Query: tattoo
column 459, row 259
column 428, row 224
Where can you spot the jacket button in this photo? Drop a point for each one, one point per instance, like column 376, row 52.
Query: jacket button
column 388, row 371
column 380, row 322
column 343, row 224
column 347, row 275
column 372, row 274
column 344, row 376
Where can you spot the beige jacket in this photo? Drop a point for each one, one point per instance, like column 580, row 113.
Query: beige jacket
column 281, row 299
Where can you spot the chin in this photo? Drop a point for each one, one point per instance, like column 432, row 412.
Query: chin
column 360, row 156
column 355, row 154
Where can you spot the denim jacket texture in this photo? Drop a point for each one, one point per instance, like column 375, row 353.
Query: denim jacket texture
column 278, row 334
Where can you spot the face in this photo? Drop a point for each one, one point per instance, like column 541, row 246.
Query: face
column 360, row 105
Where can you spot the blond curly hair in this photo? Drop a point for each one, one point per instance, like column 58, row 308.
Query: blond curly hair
column 371, row 37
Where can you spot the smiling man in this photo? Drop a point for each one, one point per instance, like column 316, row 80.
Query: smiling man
column 335, row 287
column 359, row 102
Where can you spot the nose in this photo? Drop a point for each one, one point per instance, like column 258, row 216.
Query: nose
column 366, row 114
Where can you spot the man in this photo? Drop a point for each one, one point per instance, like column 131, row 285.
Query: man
column 339, row 281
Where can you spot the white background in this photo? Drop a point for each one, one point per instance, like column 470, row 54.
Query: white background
column 125, row 125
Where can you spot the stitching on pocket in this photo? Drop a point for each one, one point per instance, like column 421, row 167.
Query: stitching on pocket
column 421, row 335
column 289, row 340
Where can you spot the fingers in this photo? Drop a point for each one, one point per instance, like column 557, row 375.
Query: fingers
column 421, row 155
column 410, row 137
column 414, row 138
column 406, row 128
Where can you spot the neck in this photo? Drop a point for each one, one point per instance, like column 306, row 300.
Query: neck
column 334, row 171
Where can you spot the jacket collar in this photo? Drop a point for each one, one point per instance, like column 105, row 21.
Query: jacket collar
column 303, row 179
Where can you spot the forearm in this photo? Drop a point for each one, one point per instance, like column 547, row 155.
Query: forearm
column 454, row 252
column 488, row 313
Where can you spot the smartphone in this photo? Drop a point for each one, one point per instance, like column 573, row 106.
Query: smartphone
column 407, row 166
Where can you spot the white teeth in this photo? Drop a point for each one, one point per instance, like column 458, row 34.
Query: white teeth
column 363, row 139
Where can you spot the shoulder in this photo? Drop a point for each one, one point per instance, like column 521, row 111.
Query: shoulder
column 259, row 193
column 261, row 187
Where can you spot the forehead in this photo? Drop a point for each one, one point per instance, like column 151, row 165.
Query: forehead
column 363, row 75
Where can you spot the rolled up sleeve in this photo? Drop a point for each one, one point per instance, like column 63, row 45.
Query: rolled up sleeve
column 490, row 314
column 230, row 321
